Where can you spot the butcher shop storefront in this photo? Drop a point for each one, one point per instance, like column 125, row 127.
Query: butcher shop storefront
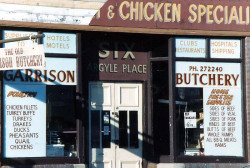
column 144, row 85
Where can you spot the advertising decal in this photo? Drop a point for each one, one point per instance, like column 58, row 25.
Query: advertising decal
column 25, row 105
column 58, row 71
column 225, row 48
column 190, row 47
column 24, row 120
column 222, row 104
column 63, row 43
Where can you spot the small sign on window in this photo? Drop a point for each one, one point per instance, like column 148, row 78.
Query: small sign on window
column 190, row 119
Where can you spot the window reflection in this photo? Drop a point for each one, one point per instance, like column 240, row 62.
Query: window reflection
column 189, row 117
column 160, row 107
column 61, row 121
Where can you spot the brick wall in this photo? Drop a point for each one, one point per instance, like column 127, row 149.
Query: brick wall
column 248, row 92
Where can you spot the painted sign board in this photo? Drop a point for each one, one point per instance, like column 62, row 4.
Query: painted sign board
column 222, row 122
column 190, row 47
column 62, row 43
column 116, row 60
column 208, row 74
column 22, row 57
column 225, row 48
column 24, row 121
column 9, row 34
column 188, row 14
column 58, row 71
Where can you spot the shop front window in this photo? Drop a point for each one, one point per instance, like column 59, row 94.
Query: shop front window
column 39, row 110
column 197, row 100
column 189, row 117
column 208, row 108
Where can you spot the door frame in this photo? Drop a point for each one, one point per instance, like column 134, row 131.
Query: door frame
column 143, row 111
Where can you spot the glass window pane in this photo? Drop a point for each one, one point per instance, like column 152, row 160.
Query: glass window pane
column 209, row 108
column 160, row 107
column 123, row 133
column 106, row 130
column 190, row 47
column 225, row 48
column 133, row 123
column 61, row 121
column 189, row 116
column 95, row 129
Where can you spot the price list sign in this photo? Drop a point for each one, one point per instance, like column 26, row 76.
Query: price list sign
column 222, row 122
column 25, row 121
column 222, row 103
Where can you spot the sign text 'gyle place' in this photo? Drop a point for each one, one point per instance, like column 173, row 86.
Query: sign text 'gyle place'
column 119, row 60
column 113, row 68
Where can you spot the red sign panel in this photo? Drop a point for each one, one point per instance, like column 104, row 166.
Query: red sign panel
column 178, row 14
column 116, row 60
